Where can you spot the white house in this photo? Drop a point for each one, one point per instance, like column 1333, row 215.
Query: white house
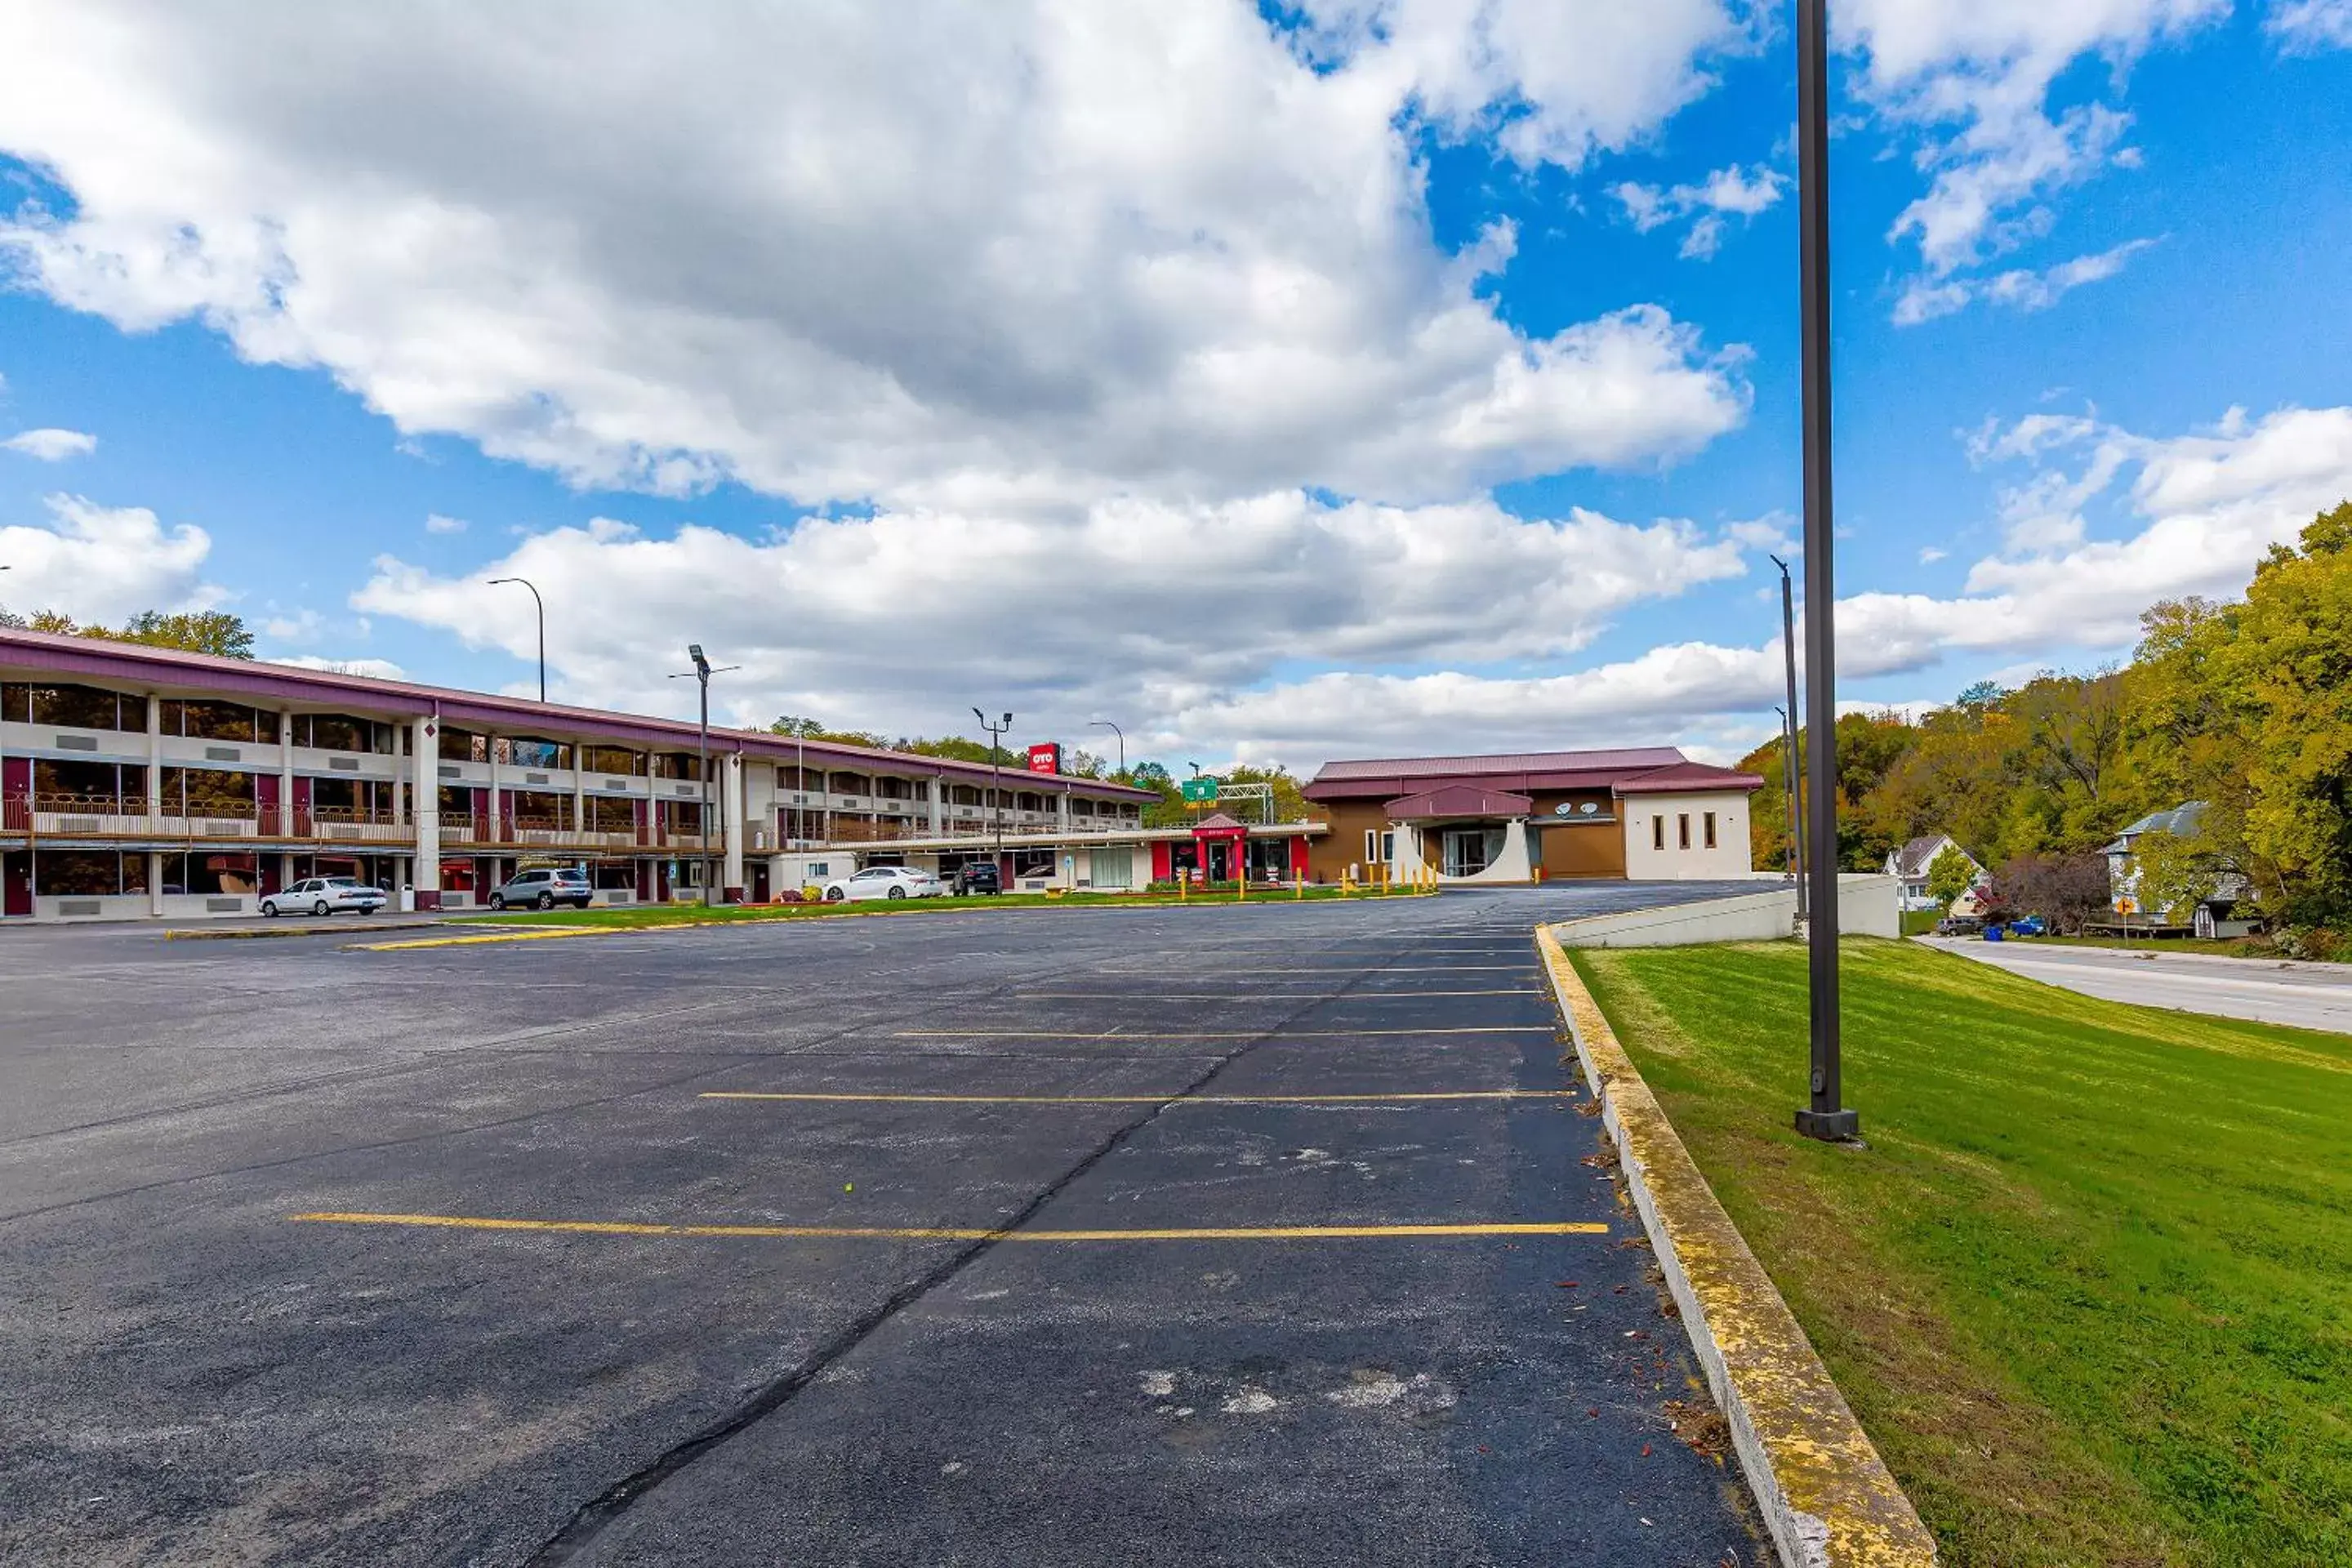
column 1914, row 860
column 2212, row 916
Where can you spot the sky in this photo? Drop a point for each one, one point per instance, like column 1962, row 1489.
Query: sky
column 1279, row 383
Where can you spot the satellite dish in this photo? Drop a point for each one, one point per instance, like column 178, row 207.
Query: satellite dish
column 1562, row 809
column 1588, row 808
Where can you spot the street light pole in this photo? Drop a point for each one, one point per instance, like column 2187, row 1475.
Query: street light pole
column 535, row 599
column 702, row 672
column 1789, row 766
column 1107, row 724
column 1826, row 1116
column 995, row 777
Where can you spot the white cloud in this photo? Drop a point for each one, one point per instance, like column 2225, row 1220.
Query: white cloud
column 51, row 446
column 436, row 523
column 105, row 563
column 1975, row 83
column 1731, row 192
column 1929, row 555
column 1130, row 608
column 2205, row 508
column 983, row 257
column 2309, row 26
column 2019, row 288
column 377, row 668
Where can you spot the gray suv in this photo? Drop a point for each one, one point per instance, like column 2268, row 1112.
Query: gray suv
column 545, row 890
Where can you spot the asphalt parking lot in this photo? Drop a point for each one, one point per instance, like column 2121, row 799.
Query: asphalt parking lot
column 1259, row 1235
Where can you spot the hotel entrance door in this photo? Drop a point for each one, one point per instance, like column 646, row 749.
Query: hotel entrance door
column 1465, row 851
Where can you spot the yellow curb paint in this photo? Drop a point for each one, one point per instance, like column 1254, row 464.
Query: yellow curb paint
column 1147, row 1039
column 1143, row 1098
column 951, row 1233
column 1826, row 1494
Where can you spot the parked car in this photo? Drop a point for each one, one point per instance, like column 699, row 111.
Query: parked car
column 545, row 890
column 885, row 882
column 976, row 877
column 325, row 896
column 2031, row 925
column 1958, row 925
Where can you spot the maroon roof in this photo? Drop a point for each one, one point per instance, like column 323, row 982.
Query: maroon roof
column 1687, row 777
column 259, row 680
column 1459, row 800
column 1218, row 821
column 1519, row 771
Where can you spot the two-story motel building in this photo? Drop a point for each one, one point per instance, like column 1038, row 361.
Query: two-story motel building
column 137, row 781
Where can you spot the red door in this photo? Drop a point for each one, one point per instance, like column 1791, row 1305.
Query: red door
column 16, row 883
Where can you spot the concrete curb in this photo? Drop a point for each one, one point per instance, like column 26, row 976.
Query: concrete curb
column 264, row 934
column 1827, row 1498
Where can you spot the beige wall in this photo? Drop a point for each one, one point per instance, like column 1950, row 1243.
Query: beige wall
column 1644, row 862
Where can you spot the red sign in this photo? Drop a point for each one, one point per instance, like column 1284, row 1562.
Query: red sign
column 1045, row 758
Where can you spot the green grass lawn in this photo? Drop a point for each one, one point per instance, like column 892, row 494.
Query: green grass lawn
column 696, row 914
column 1919, row 923
column 2090, row 1286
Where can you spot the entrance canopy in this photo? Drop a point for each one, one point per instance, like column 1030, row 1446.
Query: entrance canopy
column 1457, row 802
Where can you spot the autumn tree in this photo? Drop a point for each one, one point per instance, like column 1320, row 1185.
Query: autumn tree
column 1949, row 874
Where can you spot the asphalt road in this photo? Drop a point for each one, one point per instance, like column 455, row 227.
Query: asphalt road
column 932, row 1313
column 2310, row 995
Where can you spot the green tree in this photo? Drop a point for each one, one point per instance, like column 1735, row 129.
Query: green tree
column 1949, row 874
column 806, row 729
column 2175, row 874
column 214, row 632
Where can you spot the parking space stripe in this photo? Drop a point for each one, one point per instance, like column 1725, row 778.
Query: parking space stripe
column 952, row 1232
column 1245, row 996
column 541, row 933
column 1148, row 1037
column 1141, row 1099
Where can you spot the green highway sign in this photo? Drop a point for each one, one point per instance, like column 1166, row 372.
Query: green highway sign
column 1201, row 791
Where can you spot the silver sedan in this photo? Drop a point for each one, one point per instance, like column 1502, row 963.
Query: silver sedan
column 885, row 882
column 325, row 896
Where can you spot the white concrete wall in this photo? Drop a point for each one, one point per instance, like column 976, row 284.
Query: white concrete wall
column 1725, row 862
column 1867, row 907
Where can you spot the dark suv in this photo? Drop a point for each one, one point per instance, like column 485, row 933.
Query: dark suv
column 976, row 876
column 545, row 890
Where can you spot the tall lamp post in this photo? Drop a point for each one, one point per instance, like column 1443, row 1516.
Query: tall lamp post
column 1826, row 1116
column 995, row 775
column 701, row 673
column 1789, row 767
column 1107, row 724
column 535, row 599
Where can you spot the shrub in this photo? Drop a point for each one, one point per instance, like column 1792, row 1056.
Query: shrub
column 2065, row 889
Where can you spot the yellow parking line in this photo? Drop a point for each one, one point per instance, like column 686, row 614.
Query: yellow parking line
column 1147, row 1039
column 952, row 1232
column 534, row 935
column 1245, row 996
column 1143, row 1098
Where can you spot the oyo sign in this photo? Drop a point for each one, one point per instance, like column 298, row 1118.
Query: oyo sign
column 1045, row 758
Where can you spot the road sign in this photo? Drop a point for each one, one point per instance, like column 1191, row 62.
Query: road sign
column 1202, row 791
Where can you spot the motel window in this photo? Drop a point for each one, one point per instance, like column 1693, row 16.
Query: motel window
column 1710, row 830
column 463, row 745
column 1387, row 848
column 618, row 761
column 522, row 751
column 1657, row 833
column 74, row 708
column 1372, row 846
column 83, row 873
column 218, row 722
column 215, row 874
column 100, row 784
column 607, row 814
column 203, row 792
column 677, row 766
column 1682, row 830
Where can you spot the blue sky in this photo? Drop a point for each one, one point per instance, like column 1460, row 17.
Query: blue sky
column 1337, row 381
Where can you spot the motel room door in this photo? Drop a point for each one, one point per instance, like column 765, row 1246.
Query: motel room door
column 17, row 883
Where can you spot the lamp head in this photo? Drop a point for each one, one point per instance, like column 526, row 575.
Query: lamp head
column 702, row 665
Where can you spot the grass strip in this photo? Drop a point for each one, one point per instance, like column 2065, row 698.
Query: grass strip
column 2086, row 1288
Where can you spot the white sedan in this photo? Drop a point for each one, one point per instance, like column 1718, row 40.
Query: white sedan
column 885, row 882
column 325, row 896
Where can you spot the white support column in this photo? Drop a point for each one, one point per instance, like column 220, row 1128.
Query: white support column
column 425, row 784
column 579, row 788
column 155, row 881
column 155, row 758
column 731, row 805
column 286, row 774
column 939, row 803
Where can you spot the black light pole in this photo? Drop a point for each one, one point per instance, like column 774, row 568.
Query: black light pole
column 702, row 672
column 1826, row 1116
column 995, row 775
column 1789, row 766
column 542, row 628
column 1107, row 724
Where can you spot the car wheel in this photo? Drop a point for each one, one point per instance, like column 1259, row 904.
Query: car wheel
column 833, row 895
column 497, row 900
column 546, row 901
column 898, row 892
column 269, row 908
column 321, row 907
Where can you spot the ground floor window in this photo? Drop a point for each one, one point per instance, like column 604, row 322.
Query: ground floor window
column 457, row 876
column 211, row 874
column 84, row 873
column 1709, row 825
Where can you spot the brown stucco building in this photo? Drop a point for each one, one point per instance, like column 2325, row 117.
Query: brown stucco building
column 1644, row 813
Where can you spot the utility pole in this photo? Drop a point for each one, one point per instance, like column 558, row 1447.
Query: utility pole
column 1826, row 1116
column 701, row 674
column 535, row 599
column 1789, row 766
column 995, row 776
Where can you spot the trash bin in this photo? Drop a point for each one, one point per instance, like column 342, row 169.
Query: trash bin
column 407, row 899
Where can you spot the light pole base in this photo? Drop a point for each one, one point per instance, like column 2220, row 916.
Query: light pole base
column 1830, row 1126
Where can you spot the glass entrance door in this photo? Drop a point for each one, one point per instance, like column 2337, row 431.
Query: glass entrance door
column 1465, row 851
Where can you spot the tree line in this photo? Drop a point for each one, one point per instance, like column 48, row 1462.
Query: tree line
column 2245, row 705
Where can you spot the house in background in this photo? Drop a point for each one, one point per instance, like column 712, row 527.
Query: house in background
column 2211, row 917
column 1914, row 860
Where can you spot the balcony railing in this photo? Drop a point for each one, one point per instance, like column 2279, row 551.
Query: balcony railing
column 109, row 816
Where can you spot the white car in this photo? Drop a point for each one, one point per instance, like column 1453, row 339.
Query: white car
column 885, row 882
column 325, row 896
